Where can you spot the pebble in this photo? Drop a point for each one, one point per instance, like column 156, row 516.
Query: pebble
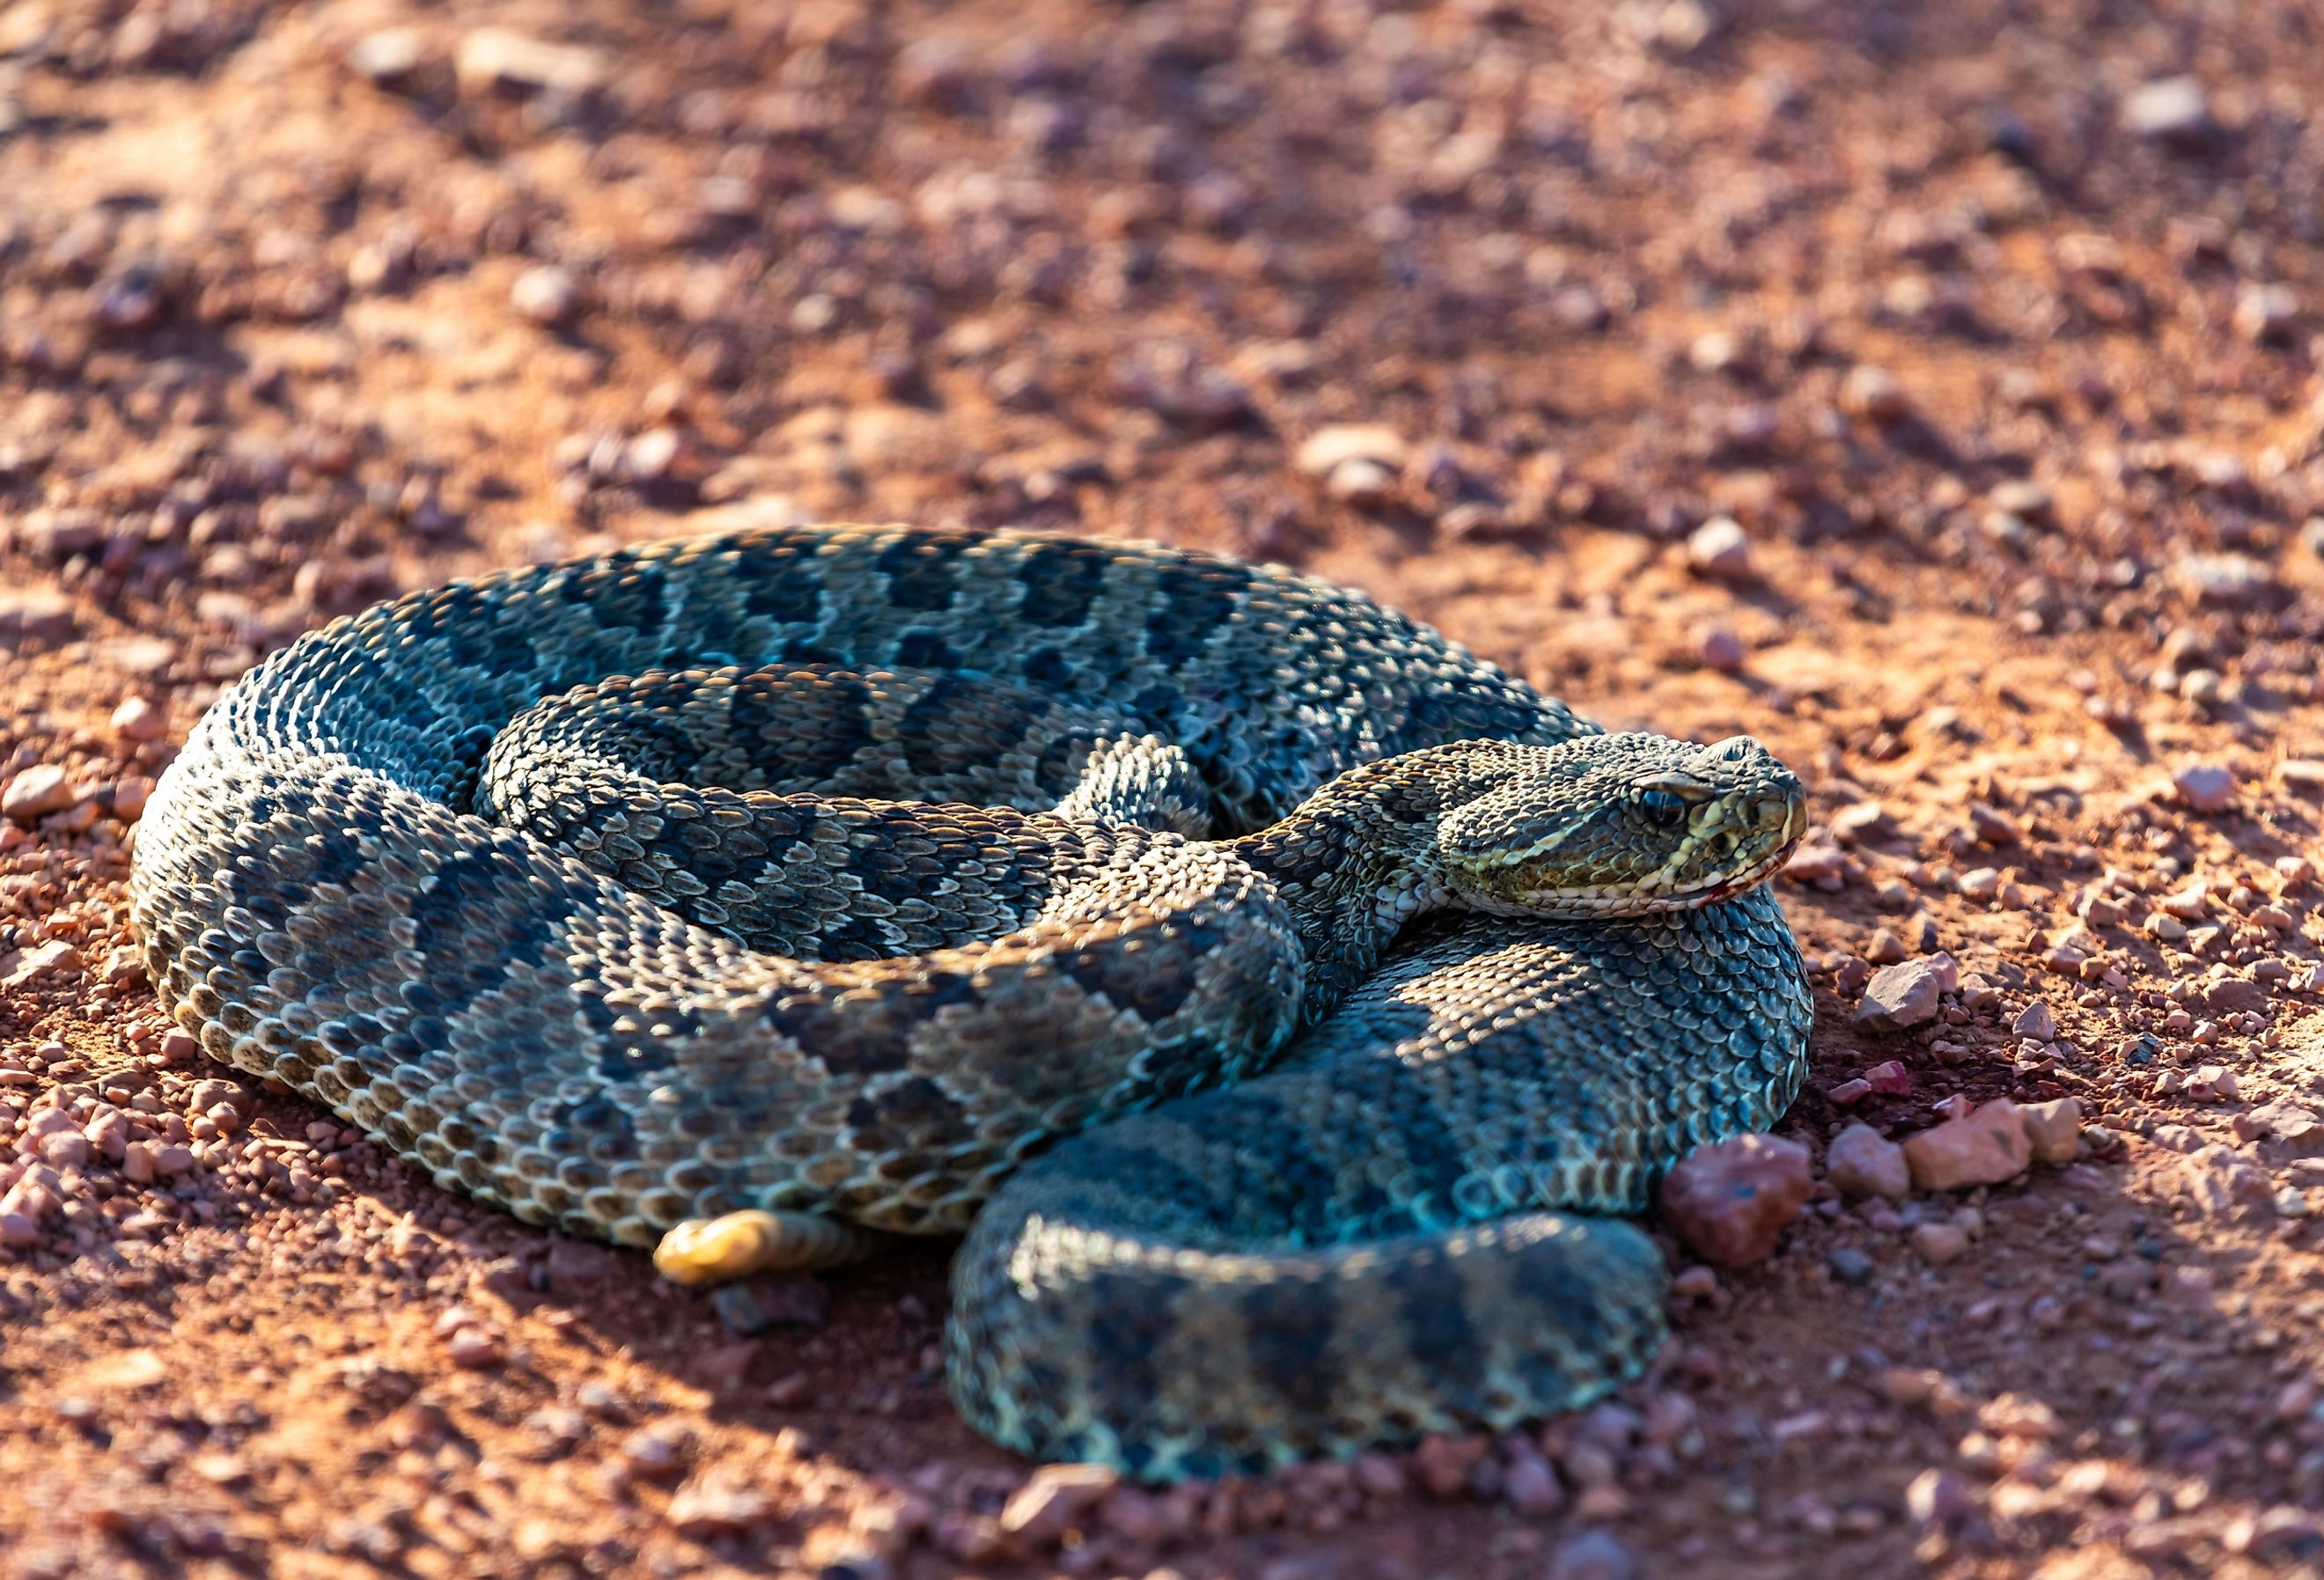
column 2036, row 1021
column 1593, row 1555
column 2228, row 581
column 138, row 719
column 23, row 967
column 1720, row 548
column 1817, row 860
column 475, row 1348
column 1851, row 1266
column 1873, row 392
column 1323, row 452
column 389, row 56
column 1890, row 1079
column 32, row 621
column 1732, row 1201
column 2265, row 313
column 1721, row 650
column 546, row 294
column 1364, row 484
column 2205, row 786
column 2172, row 110
column 1862, row 1162
column 1053, row 1499
column 1907, row 994
column 1984, row 1147
column 1532, row 1487
column 702, row 1510
column 1442, row 1463
column 2053, row 1129
column 1939, row 1244
column 496, row 59
column 34, row 793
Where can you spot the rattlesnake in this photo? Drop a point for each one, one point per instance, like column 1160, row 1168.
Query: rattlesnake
column 1158, row 817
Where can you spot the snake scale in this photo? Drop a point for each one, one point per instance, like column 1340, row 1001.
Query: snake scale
column 753, row 894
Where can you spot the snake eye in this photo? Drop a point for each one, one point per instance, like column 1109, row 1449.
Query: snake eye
column 1662, row 802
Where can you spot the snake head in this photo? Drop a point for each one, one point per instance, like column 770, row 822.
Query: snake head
column 1622, row 825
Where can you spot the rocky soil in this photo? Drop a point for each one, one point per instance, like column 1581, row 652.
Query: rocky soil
column 1930, row 391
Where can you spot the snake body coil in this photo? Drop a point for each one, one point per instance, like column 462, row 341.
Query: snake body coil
column 828, row 873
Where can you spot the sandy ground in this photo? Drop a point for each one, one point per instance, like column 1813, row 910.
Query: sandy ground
column 1929, row 390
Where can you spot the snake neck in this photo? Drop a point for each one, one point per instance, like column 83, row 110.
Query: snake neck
column 1359, row 859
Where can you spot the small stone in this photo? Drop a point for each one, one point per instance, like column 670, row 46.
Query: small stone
column 2036, row 1021
column 1873, row 392
column 1890, row 1079
column 1992, row 826
column 2053, row 1129
column 1939, row 1244
column 2265, row 313
column 546, row 294
column 31, row 620
column 1816, row 861
column 1593, row 1555
column 1327, row 449
column 1851, row 1266
column 701, row 1510
column 1983, row 1147
column 654, row 1452
column 22, row 968
column 138, row 719
column 2226, row 581
column 475, row 1348
column 1863, row 1162
column 1886, row 948
column 1532, row 1487
column 1364, row 484
column 34, row 793
column 1901, row 996
column 496, row 59
column 1720, row 548
column 1721, row 650
column 389, row 56
column 1732, row 1201
column 1938, row 1498
column 2205, row 786
column 1053, row 1499
column 2172, row 110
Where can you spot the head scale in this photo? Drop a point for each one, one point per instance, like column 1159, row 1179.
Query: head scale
column 1622, row 825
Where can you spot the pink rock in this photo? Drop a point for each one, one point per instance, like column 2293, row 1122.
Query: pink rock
column 1984, row 1147
column 2036, row 1021
column 34, row 793
column 1848, row 1094
column 1863, row 1162
column 1939, row 1244
column 1814, row 860
column 2053, row 1129
column 1891, row 1079
column 1731, row 1202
